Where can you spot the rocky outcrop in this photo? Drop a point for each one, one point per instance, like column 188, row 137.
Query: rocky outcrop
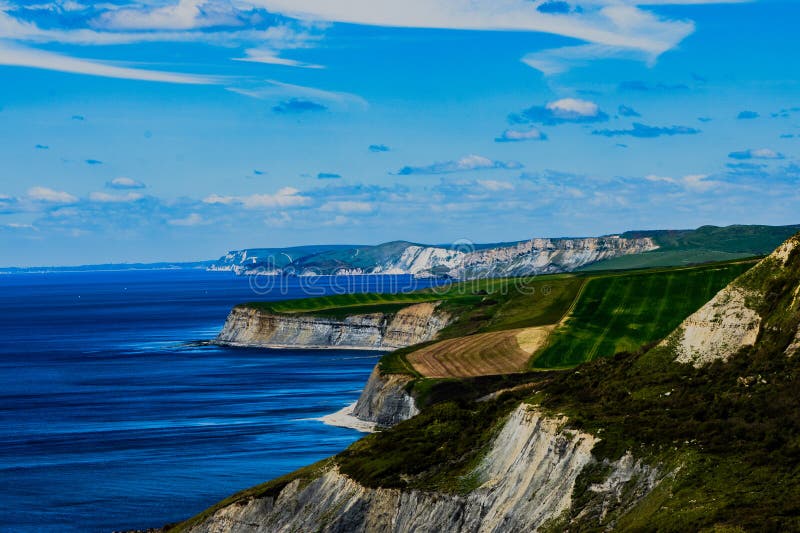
column 525, row 481
column 385, row 401
column 717, row 330
column 248, row 326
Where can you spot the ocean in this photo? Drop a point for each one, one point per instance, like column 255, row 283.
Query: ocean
column 114, row 416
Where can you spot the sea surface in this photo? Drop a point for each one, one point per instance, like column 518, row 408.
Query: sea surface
column 113, row 416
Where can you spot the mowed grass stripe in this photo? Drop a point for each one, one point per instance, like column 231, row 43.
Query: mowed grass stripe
column 624, row 313
column 482, row 354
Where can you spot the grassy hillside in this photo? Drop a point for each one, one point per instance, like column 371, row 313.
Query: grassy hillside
column 702, row 245
column 617, row 313
column 725, row 437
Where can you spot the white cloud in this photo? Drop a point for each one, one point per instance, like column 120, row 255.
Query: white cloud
column 495, row 185
column 603, row 22
column 191, row 220
column 185, row 15
column 694, row 182
column 757, row 153
column 20, row 226
column 285, row 197
column 518, row 136
column 348, row 206
column 270, row 57
column 463, row 164
column 125, row 183
column 277, row 89
column 338, row 220
column 558, row 60
column 104, row 197
column 45, row 194
column 18, row 56
column 573, row 107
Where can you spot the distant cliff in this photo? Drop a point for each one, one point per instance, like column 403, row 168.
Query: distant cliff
column 248, row 326
column 525, row 481
column 535, row 256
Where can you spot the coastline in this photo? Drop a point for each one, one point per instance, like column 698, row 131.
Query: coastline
column 326, row 347
column 344, row 418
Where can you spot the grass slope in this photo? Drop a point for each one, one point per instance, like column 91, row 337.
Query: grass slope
column 702, row 245
column 617, row 313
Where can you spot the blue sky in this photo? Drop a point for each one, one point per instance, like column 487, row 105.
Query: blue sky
column 146, row 131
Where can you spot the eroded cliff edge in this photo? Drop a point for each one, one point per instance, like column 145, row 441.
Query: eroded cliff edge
column 525, row 481
column 249, row 326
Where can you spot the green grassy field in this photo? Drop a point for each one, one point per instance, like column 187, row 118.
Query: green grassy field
column 665, row 258
column 619, row 313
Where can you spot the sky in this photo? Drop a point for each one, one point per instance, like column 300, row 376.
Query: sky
column 141, row 131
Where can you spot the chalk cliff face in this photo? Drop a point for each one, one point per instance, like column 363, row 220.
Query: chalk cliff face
column 526, row 480
column 417, row 323
column 385, row 400
column 535, row 256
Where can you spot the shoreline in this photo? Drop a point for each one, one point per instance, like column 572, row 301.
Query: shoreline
column 325, row 347
column 344, row 418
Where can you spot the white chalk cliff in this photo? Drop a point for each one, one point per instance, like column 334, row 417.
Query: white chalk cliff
column 525, row 480
column 248, row 326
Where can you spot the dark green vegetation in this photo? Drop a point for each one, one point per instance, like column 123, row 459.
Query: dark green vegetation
column 617, row 313
column 701, row 245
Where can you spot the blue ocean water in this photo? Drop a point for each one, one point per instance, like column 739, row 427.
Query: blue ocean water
column 111, row 417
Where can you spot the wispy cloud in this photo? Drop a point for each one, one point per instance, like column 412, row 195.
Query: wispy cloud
column 512, row 135
column 759, row 153
column 271, row 57
column 647, row 132
column 285, row 197
column 46, row 194
column 348, row 206
column 602, row 22
column 105, row 197
column 192, row 219
column 18, row 56
column 300, row 98
column 464, row 164
column 125, row 183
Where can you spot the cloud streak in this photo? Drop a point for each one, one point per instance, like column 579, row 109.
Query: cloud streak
column 644, row 131
column 464, row 164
